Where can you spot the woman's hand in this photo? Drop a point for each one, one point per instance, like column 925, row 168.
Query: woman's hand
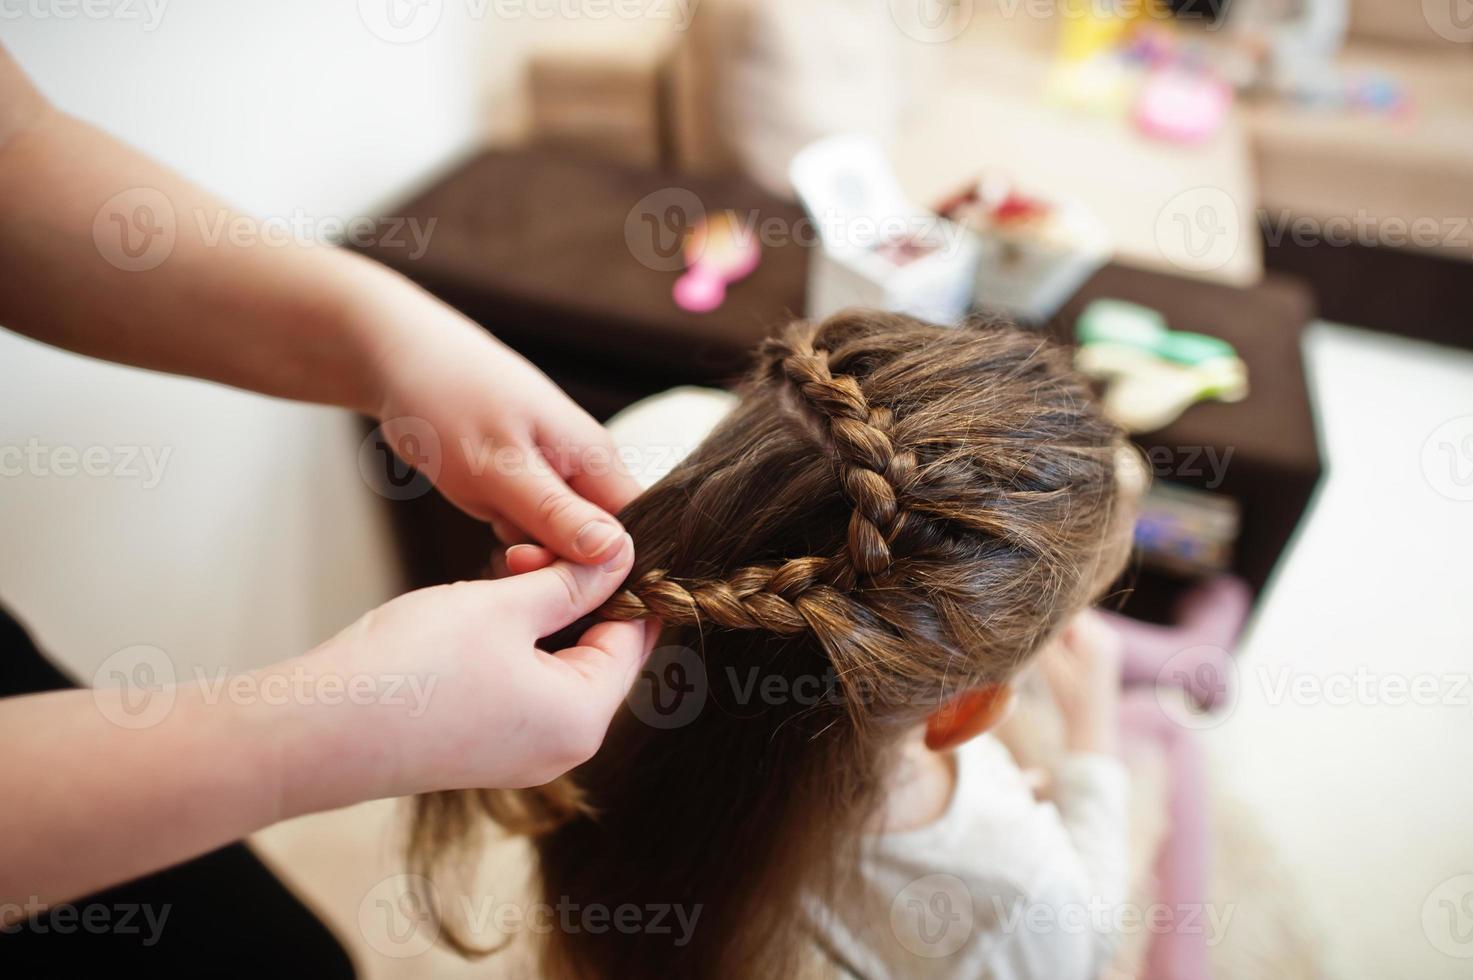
column 439, row 689
column 295, row 320
column 343, row 723
column 513, row 449
column 475, row 702
column 1082, row 668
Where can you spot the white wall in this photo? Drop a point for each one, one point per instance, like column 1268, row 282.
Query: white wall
column 260, row 539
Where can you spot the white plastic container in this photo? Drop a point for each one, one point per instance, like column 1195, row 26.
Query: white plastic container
column 1030, row 277
column 876, row 248
column 1030, row 269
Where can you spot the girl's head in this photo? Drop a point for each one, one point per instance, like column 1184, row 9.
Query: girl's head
column 892, row 521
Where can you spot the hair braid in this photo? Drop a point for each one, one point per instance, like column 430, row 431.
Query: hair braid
column 875, row 473
column 874, row 476
column 759, row 597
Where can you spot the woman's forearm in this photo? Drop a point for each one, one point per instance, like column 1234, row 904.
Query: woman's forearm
column 110, row 254
column 442, row 688
column 91, row 796
column 108, row 784
column 107, row 253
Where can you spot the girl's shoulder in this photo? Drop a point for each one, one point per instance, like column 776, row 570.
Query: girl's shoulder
column 995, row 832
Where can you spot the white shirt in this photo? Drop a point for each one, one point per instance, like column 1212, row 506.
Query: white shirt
column 1001, row 886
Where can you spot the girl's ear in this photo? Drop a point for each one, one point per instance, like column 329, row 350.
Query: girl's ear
column 967, row 715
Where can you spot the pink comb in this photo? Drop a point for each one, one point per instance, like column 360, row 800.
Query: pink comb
column 719, row 252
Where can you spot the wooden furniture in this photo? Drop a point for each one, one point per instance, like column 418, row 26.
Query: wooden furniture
column 553, row 254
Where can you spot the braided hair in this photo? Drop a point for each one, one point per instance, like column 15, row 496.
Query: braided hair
column 873, row 475
column 929, row 486
column 899, row 509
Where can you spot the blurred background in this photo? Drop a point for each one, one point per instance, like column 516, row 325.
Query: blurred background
column 1254, row 219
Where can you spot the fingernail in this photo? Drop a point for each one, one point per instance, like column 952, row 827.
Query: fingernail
column 595, row 538
column 620, row 557
column 514, row 549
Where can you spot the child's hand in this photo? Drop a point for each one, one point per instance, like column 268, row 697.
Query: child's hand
column 1082, row 668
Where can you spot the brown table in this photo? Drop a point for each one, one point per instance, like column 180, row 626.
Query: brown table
column 546, row 251
column 533, row 245
column 1274, row 464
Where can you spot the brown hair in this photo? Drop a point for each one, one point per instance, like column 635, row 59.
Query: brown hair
column 894, row 512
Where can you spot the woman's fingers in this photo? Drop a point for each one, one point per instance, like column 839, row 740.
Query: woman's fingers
column 540, row 504
column 523, row 558
column 506, row 532
column 557, row 595
column 608, row 657
column 586, row 454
